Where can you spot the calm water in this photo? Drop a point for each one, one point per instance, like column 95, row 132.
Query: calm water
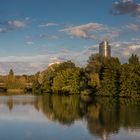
column 68, row 118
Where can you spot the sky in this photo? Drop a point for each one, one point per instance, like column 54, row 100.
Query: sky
column 35, row 33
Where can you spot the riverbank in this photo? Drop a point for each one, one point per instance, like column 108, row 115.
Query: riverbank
column 15, row 91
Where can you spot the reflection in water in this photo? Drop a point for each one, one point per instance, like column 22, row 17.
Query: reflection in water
column 104, row 118
column 62, row 108
column 12, row 101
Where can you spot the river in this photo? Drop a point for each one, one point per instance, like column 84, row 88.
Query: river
column 52, row 117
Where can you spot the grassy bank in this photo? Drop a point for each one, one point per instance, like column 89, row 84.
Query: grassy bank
column 15, row 91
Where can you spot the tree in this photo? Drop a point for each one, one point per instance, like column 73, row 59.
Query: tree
column 10, row 80
column 110, row 81
column 94, row 64
column 15, row 82
column 36, row 87
column 94, row 81
column 51, row 73
column 94, row 71
column 11, row 72
column 22, row 82
column 130, row 80
column 134, row 59
column 67, row 81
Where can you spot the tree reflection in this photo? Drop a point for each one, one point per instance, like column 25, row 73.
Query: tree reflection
column 64, row 109
column 13, row 101
column 10, row 104
column 104, row 116
column 108, row 115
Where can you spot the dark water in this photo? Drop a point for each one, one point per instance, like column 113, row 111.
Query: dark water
column 68, row 118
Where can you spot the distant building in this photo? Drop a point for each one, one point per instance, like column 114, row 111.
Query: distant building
column 105, row 49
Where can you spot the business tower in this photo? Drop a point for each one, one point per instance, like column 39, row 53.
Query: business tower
column 105, row 49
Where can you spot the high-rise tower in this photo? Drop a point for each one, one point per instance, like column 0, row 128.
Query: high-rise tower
column 105, row 49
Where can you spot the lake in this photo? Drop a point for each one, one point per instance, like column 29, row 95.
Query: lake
column 52, row 117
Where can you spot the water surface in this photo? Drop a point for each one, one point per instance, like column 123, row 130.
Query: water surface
column 49, row 117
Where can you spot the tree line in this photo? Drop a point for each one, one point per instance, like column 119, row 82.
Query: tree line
column 102, row 76
column 12, row 81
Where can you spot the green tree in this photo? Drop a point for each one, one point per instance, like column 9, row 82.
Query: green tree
column 14, row 82
column 130, row 77
column 67, row 81
column 130, row 80
column 11, row 72
column 94, row 71
column 36, row 87
column 51, row 73
column 134, row 59
column 110, row 81
column 94, row 81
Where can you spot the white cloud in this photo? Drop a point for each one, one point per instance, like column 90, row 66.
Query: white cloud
column 84, row 31
column 49, row 24
column 11, row 25
column 35, row 63
column 110, row 34
column 99, row 32
column 123, row 50
column 29, row 42
column 27, row 18
column 48, row 36
column 133, row 27
column 17, row 23
column 134, row 47
column 124, row 1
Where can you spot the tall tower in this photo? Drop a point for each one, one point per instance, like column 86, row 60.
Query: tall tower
column 105, row 49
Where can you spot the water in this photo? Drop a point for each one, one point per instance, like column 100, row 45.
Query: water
column 48, row 117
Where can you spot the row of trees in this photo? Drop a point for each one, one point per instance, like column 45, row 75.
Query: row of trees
column 102, row 76
column 60, row 78
column 12, row 81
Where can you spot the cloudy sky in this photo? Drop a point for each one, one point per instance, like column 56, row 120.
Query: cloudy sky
column 34, row 33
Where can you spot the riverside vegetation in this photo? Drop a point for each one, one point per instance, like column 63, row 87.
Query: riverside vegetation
column 15, row 83
column 102, row 76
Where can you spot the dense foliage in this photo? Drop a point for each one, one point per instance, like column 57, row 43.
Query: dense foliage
column 102, row 76
column 60, row 78
column 12, row 81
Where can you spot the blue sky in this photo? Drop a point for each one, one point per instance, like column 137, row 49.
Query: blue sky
column 34, row 33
